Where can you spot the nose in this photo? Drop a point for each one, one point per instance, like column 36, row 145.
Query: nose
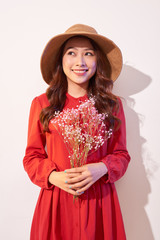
column 80, row 60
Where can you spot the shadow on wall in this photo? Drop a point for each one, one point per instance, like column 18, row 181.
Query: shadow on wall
column 133, row 189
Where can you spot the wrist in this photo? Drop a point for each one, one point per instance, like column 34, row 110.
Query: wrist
column 104, row 169
column 51, row 176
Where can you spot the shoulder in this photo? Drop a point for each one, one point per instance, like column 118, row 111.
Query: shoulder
column 119, row 110
column 41, row 100
column 118, row 106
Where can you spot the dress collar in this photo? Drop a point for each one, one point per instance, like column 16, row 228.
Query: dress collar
column 78, row 99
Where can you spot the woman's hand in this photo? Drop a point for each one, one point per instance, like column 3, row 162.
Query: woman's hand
column 60, row 179
column 81, row 178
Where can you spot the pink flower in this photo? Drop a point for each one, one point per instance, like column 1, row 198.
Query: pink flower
column 83, row 130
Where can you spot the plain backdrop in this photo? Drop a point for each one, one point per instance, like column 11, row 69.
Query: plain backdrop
column 25, row 28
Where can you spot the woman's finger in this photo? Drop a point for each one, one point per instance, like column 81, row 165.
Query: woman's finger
column 75, row 170
column 73, row 192
column 76, row 179
column 80, row 184
column 72, row 175
column 83, row 189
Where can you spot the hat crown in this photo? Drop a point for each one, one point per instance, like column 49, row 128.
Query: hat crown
column 81, row 28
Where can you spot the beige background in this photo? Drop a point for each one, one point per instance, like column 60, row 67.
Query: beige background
column 25, row 28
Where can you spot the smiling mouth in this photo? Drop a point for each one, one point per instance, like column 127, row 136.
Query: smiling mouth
column 79, row 70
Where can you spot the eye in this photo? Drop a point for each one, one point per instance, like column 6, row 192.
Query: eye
column 89, row 54
column 70, row 53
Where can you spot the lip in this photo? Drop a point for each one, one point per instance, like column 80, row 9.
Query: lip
column 80, row 72
column 80, row 69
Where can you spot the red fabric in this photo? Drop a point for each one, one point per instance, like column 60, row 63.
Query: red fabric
column 96, row 214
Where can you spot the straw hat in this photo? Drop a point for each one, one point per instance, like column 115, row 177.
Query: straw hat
column 51, row 50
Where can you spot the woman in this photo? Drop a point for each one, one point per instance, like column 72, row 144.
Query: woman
column 78, row 199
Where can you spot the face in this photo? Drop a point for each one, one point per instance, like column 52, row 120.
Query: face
column 79, row 61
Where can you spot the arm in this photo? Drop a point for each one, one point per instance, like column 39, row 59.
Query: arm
column 36, row 162
column 117, row 158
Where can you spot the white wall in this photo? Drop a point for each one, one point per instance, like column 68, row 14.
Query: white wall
column 25, row 27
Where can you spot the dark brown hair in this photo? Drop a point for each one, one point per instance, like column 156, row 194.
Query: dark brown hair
column 100, row 86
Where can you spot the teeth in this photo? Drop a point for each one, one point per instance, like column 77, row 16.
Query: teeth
column 80, row 71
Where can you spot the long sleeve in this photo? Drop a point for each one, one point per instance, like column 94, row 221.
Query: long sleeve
column 117, row 158
column 36, row 162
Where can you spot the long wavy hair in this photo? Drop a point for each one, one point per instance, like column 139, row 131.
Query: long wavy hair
column 100, row 86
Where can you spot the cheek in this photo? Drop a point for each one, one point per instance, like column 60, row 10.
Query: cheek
column 66, row 61
column 94, row 66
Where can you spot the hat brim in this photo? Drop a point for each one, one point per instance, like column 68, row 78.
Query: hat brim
column 112, row 51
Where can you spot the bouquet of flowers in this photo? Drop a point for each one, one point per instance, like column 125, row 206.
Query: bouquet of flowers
column 83, row 130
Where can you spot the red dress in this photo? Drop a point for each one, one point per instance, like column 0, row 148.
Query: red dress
column 96, row 214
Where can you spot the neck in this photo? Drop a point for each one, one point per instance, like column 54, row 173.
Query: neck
column 77, row 91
